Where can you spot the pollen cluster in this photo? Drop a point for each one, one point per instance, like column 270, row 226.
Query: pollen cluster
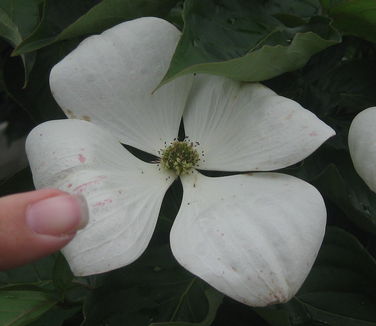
column 180, row 156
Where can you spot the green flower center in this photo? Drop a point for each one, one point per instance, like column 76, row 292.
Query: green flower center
column 180, row 156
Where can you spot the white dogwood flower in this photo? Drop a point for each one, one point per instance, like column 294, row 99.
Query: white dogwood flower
column 252, row 236
column 362, row 145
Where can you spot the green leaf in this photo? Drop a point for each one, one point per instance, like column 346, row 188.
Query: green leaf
column 327, row 4
column 36, row 98
column 355, row 18
column 19, row 308
column 57, row 15
column 339, row 290
column 62, row 275
column 18, row 18
column 64, row 19
column 336, row 84
column 214, row 300
column 19, row 182
column 340, row 287
column 39, row 272
column 246, row 41
column 22, row 16
column 8, row 29
column 342, row 185
column 154, row 288
column 111, row 12
column 70, row 289
column 350, row 86
column 56, row 316
column 275, row 315
column 292, row 313
column 301, row 8
column 331, row 171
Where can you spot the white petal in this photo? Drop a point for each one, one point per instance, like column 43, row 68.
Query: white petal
column 109, row 79
column 252, row 237
column 362, row 145
column 124, row 194
column 247, row 127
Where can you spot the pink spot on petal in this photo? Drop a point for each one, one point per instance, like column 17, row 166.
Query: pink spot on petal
column 81, row 158
column 83, row 186
column 70, row 185
column 313, row 133
column 102, row 203
column 289, row 116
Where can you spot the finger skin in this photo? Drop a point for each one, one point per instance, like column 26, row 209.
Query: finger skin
column 18, row 243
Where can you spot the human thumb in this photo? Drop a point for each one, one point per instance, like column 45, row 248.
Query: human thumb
column 37, row 223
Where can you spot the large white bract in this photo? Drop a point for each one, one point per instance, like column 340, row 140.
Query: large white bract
column 362, row 145
column 252, row 236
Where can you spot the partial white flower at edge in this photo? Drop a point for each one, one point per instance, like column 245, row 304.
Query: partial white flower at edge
column 252, row 236
column 362, row 145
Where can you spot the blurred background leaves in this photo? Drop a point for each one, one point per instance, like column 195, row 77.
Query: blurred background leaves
column 318, row 53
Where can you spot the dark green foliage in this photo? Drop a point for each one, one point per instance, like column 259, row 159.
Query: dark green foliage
column 249, row 40
column 319, row 53
column 339, row 290
column 154, row 289
column 354, row 17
